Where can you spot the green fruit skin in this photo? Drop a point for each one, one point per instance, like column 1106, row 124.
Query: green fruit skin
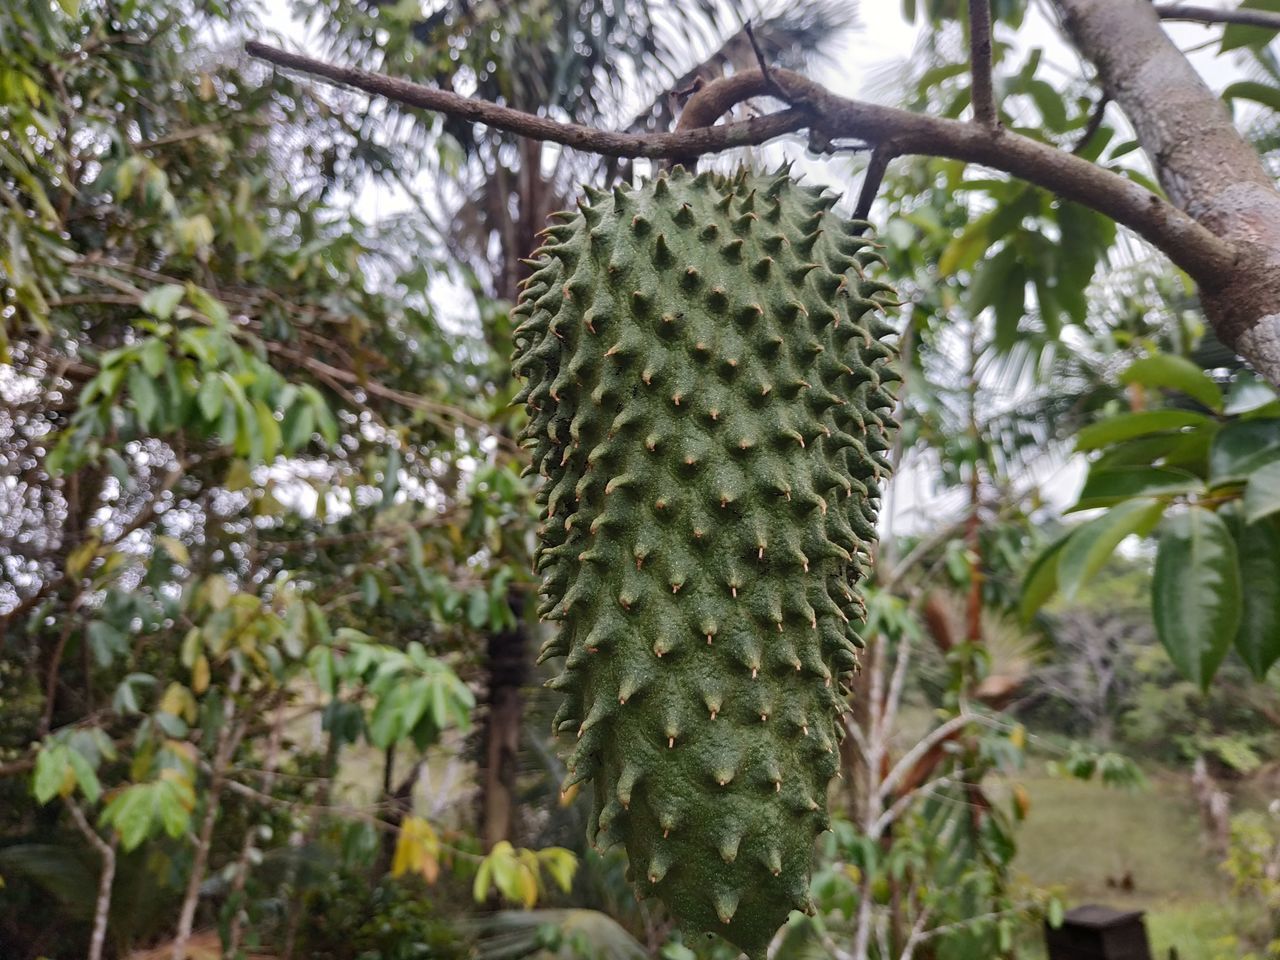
column 710, row 398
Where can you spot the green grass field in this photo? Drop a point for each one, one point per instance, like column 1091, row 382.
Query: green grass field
column 1079, row 835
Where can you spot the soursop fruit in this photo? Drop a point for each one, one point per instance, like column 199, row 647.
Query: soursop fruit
column 709, row 397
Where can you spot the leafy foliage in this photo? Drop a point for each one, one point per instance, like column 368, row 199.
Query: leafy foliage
column 1200, row 459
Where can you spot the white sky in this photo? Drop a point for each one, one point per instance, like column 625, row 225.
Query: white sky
column 883, row 41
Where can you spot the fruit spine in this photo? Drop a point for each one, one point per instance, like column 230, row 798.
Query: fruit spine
column 707, row 388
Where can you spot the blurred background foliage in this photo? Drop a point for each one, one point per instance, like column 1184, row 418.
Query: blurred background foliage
column 266, row 669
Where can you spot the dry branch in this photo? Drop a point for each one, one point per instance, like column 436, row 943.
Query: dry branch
column 1191, row 246
column 1208, row 15
column 984, row 106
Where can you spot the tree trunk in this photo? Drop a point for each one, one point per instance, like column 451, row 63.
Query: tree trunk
column 508, row 669
column 1205, row 166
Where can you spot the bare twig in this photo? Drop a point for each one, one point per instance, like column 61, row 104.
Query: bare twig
column 984, row 105
column 1205, row 256
column 229, row 737
column 1210, row 15
column 872, row 179
column 102, row 906
column 606, row 143
column 1093, row 126
column 438, row 413
column 761, row 61
column 55, row 665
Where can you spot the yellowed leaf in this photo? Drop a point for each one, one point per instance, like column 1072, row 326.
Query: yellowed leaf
column 179, row 702
column 1018, row 736
column 78, row 560
column 527, row 880
column 1021, row 801
column 417, row 850
column 176, row 549
column 200, row 675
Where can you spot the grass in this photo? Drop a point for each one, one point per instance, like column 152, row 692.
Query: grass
column 1080, row 835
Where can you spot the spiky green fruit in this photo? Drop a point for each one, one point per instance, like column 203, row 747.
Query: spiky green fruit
column 707, row 386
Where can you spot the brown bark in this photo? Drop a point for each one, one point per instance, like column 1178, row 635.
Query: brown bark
column 508, row 669
column 1205, row 166
column 229, row 736
column 1186, row 242
column 106, row 880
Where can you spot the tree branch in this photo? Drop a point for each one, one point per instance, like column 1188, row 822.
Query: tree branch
column 984, row 107
column 1206, row 257
column 930, row 740
column 102, row 906
column 872, row 179
column 1093, row 126
column 608, row 143
column 1209, row 15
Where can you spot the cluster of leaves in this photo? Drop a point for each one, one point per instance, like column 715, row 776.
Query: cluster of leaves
column 1204, row 469
column 232, row 511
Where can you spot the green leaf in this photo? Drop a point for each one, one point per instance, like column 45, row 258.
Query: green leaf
column 990, row 278
column 207, row 304
column 561, row 864
column 130, row 812
column 213, row 393
column 391, row 477
column 1263, row 93
column 1237, row 35
column 146, row 399
column 1195, row 593
column 1262, row 495
column 86, row 777
column 320, row 660
column 52, row 766
column 1089, row 547
column 1126, row 426
column 161, row 301
column 173, row 814
column 1111, row 485
column 1055, row 913
column 1010, row 307
column 1169, row 372
column 154, row 356
column 106, row 642
column 299, row 424
column 1187, row 450
column 1258, row 639
column 268, row 430
column 963, row 252
column 1241, row 448
column 477, row 609
column 1049, row 102
column 480, row 888
column 1041, row 581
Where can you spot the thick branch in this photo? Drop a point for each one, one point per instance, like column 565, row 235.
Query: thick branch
column 984, row 107
column 1208, row 15
column 1188, row 244
column 607, row 143
column 1204, row 164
